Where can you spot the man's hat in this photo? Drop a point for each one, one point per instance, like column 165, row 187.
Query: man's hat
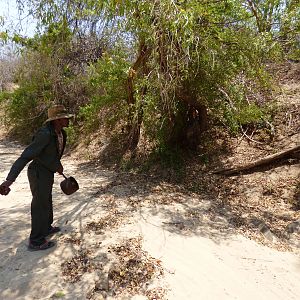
column 58, row 112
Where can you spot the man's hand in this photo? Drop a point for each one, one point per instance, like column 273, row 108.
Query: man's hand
column 4, row 187
column 60, row 169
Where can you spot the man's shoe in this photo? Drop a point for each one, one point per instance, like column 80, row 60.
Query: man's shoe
column 46, row 245
column 53, row 230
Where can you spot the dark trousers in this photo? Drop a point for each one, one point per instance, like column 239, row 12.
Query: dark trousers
column 41, row 182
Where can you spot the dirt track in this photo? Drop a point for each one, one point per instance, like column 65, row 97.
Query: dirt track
column 200, row 259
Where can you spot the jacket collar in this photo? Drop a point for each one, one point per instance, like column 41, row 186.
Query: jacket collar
column 53, row 133
column 51, row 128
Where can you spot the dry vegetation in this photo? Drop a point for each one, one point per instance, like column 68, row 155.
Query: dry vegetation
column 262, row 204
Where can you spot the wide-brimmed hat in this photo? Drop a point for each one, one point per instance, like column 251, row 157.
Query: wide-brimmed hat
column 58, row 112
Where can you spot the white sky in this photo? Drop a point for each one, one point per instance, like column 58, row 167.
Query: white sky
column 13, row 22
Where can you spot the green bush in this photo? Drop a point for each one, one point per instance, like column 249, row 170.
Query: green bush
column 107, row 90
column 23, row 114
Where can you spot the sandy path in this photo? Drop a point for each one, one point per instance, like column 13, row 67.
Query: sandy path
column 207, row 262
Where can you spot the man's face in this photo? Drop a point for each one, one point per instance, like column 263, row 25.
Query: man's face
column 64, row 122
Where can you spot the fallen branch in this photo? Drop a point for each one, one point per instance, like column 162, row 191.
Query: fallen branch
column 290, row 153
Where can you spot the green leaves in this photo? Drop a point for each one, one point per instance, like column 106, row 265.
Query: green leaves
column 194, row 50
column 107, row 82
column 4, row 36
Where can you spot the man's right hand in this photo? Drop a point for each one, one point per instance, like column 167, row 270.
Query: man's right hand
column 60, row 169
column 4, row 187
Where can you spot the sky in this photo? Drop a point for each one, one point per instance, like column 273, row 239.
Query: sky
column 13, row 21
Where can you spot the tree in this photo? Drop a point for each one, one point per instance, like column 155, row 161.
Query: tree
column 8, row 60
column 187, row 58
column 195, row 52
column 281, row 18
column 266, row 12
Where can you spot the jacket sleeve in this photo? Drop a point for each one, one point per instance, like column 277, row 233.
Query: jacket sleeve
column 40, row 141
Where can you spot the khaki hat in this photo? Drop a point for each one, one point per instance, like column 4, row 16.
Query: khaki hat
column 58, row 112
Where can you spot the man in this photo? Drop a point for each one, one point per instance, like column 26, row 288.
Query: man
column 45, row 152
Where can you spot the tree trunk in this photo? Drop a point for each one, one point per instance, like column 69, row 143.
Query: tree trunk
column 290, row 153
column 191, row 121
column 134, row 124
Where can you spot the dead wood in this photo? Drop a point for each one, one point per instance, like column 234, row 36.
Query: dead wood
column 290, row 153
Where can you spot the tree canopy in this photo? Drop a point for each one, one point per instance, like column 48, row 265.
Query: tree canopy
column 168, row 68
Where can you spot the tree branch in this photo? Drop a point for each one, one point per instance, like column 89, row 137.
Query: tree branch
column 292, row 152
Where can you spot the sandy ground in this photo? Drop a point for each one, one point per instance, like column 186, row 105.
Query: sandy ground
column 208, row 262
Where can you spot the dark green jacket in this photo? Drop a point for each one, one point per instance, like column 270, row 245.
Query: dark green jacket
column 43, row 150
